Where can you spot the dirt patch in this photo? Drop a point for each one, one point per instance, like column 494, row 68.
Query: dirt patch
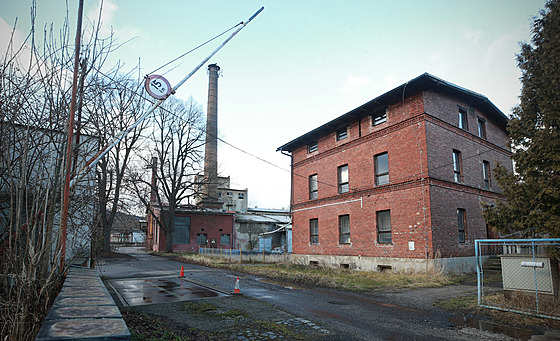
column 149, row 327
column 232, row 318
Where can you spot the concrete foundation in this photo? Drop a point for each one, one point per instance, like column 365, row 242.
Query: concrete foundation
column 447, row 265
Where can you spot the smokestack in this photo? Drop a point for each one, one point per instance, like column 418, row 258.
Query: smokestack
column 211, row 146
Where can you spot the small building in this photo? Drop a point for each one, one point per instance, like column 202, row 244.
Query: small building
column 232, row 199
column 127, row 229
column 398, row 182
column 250, row 226
column 194, row 228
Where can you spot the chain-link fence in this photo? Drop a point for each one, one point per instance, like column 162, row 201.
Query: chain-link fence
column 519, row 275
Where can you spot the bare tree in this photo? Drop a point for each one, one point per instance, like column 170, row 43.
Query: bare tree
column 116, row 104
column 177, row 140
column 35, row 84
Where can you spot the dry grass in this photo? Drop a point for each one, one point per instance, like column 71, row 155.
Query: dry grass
column 525, row 302
column 344, row 279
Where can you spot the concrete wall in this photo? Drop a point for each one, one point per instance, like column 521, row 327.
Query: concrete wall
column 455, row 265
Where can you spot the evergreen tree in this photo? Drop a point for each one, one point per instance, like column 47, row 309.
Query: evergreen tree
column 533, row 190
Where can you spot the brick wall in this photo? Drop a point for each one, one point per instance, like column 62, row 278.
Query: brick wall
column 419, row 136
column 214, row 225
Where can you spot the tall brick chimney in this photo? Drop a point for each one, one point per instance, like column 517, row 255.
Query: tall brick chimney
column 210, row 196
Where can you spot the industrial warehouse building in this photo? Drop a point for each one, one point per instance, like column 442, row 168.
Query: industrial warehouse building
column 398, row 182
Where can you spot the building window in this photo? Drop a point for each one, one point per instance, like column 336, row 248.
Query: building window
column 182, row 232
column 457, row 165
column 312, row 147
column 462, row 223
column 381, row 162
column 344, row 229
column 241, row 196
column 343, row 185
column 313, row 187
column 341, row 134
column 486, row 174
column 481, row 128
column 384, row 227
column 201, row 239
column 225, row 239
column 314, row 231
column 229, row 194
column 379, row 117
column 463, row 118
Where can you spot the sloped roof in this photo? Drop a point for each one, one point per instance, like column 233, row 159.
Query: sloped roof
column 262, row 218
column 425, row 81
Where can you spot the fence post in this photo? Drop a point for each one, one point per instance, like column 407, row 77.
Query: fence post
column 263, row 256
column 478, row 271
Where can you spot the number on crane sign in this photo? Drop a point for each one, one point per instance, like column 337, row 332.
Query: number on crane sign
column 158, row 85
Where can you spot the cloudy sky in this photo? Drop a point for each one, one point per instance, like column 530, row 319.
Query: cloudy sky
column 300, row 64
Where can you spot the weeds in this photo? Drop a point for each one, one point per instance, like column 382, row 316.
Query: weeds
column 344, row 279
column 469, row 302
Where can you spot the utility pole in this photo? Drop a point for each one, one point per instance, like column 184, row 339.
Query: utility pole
column 68, row 168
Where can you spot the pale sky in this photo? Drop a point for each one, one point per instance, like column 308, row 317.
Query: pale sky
column 300, row 64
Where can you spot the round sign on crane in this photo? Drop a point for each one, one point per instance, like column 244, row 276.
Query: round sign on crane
column 157, row 86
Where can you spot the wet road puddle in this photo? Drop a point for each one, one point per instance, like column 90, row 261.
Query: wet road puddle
column 280, row 283
column 517, row 333
column 142, row 291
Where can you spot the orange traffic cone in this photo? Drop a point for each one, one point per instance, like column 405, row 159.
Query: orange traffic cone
column 182, row 273
column 236, row 290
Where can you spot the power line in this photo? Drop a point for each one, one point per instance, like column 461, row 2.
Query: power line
column 355, row 189
column 196, row 48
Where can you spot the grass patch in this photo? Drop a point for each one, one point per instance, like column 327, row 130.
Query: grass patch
column 469, row 302
column 287, row 332
column 198, row 308
column 204, row 308
column 344, row 279
column 145, row 327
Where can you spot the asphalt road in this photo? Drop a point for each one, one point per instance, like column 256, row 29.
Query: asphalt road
column 384, row 315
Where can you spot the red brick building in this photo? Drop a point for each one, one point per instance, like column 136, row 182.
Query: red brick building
column 194, row 228
column 398, row 182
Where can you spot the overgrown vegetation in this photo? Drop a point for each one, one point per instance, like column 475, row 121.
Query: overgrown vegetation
column 145, row 327
column 533, row 189
column 343, row 279
column 469, row 302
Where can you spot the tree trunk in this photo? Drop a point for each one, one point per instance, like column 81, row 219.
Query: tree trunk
column 103, row 207
column 170, row 228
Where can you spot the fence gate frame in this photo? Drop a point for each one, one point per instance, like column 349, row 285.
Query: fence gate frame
column 515, row 245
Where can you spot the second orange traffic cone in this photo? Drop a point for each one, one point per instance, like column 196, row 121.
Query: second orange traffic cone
column 236, row 290
column 182, row 273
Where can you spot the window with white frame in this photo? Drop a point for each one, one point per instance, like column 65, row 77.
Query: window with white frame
column 343, row 183
column 384, row 233
column 344, row 229
column 313, row 187
column 462, row 224
column 457, row 165
column 463, row 118
column 314, row 231
column 486, row 175
column 341, row 134
column 381, row 162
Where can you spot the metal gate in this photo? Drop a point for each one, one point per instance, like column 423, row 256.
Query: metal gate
column 519, row 275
